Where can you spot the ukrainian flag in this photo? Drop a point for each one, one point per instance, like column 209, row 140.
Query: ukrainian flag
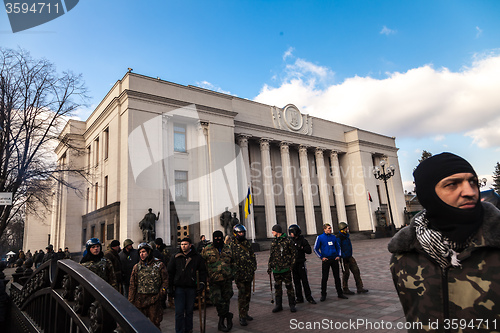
column 248, row 202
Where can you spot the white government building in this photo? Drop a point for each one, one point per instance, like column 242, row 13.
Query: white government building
column 189, row 153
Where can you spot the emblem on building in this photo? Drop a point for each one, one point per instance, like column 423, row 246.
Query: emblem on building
column 289, row 118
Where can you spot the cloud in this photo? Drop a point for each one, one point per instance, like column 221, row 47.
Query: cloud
column 421, row 102
column 386, row 31
column 288, row 53
column 210, row 86
column 479, row 32
column 439, row 138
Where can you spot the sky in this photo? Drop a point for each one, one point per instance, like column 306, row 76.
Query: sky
column 426, row 72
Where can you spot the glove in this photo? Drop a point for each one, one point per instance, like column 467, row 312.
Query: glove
column 201, row 287
column 269, row 271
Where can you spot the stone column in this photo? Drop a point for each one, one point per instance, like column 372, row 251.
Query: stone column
column 337, row 187
column 291, row 214
column 324, row 193
column 165, row 230
column 249, row 222
column 204, row 195
column 267, row 180
column 305, row 178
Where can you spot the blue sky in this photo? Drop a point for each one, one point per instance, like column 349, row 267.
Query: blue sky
column 426, row 72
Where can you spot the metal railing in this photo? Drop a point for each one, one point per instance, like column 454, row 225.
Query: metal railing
column 65, row 297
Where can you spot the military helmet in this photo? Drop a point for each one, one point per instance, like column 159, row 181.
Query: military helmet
column 239, row 228
column 91, row 242
column 294, row 229
column 145, row 246
column 342, row 225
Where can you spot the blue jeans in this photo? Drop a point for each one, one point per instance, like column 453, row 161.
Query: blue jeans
column 184, row 305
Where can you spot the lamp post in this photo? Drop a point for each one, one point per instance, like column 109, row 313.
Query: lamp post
column 482, row 182
column 383, row 175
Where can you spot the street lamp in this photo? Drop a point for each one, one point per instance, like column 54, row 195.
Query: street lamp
column 482, row 182
column 383, row 175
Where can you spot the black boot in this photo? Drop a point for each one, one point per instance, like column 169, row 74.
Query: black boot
column 291, row 303
column 221, row 325
column 243, row 321
column 229, row 318
column 279, row 304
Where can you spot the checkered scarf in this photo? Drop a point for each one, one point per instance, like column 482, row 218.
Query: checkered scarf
column 439, row 247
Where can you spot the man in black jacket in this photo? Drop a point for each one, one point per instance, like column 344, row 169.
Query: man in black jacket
column 299, row 271
column 128, row 257
column 182, row 276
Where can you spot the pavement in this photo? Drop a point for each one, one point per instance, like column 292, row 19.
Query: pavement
column 378, row 310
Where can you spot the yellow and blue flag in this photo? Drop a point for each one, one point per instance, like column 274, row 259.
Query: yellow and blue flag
column 248, row 202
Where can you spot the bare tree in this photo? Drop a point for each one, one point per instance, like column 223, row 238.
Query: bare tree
column 35, row 103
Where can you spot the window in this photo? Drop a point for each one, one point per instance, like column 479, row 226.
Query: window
column 103, row 232
column 105, row 195
column 97, row 151
column 181, row 186
column 88, row 200
column 92, row 231
column 95, row 195
column 88, row 156
column 110, row 231
column 180, row 138
column 106, row 143
column 84, row 236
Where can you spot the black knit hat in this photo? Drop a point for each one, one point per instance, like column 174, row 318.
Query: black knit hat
column 277, row 228
column 114, row 243
column 455, row 223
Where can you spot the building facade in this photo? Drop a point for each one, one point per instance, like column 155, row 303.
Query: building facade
column 189, row 153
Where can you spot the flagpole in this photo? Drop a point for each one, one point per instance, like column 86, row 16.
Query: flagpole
column 370, row 211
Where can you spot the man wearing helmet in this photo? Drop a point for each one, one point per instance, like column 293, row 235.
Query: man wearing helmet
column 245, row 265
column 94, row 260
column 148, row 285
column 350, row 264
column 299, row 271
column 128, row 257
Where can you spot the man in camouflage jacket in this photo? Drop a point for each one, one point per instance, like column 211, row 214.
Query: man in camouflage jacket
column 219, row 259
column 245, row 265
column 94, row 261
column 281, row 261
column 446, row 269
column 148, row 285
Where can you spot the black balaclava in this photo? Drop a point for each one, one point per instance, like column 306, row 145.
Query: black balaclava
column 454, row 223
column 218, row 238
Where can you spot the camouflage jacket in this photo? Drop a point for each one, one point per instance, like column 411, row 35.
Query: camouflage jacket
column 219, row 264
column 148, row 283
column 283, row 254
column 245, row 263
column 104, row 269
column 440, row 298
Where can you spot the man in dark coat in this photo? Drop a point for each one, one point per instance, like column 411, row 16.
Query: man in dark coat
column 299, row 271
column 128, row 257
column 112, row 254
column 184, row 269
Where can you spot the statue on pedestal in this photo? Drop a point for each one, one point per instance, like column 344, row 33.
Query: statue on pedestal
column 226, row 222
column 148, row 227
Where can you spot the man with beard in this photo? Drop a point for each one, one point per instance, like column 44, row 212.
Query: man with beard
column 94, row 261
column 445, row 264
column 182, row 274
column 219, row 260
column 128, row 257
column 245, row 265
column 112, row 254
column 299, row 271
column 148, row 285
